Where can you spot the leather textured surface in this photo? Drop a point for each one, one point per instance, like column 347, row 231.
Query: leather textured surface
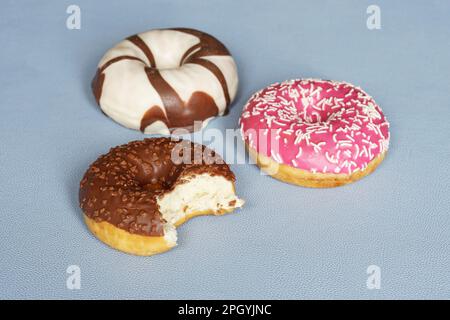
column 288, row 241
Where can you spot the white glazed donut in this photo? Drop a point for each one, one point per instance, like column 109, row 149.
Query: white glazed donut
column 165, row 79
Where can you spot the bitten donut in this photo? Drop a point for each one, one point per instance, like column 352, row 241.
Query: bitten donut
column 315, row 133
column 165, row 79
column 134, row 196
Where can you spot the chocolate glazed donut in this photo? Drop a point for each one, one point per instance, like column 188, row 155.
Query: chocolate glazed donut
column 134, row 196
column 165, row 79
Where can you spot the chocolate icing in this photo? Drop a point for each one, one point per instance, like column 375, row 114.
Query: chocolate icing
column 199, row 107
column 189, row 52
column 97, row 85
column 121, row 187
column 179, row 113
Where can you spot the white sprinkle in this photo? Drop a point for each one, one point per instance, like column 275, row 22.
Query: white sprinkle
column 343, row 143
column 364, row 151
column 334, row 138
column 320, row 102
column 345, row 163
column 350, row 137
column 276, row 157
column 356, row 152
column 316, row 91
column 349, row 93
column 279, row 123
column 317, row 146
column 330, row 159
column 305, row 102
column 341, row 129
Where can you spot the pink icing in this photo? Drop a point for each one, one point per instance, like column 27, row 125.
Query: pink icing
column 315, row 125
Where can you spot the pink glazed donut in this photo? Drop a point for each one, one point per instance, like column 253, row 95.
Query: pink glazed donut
column 315, row 133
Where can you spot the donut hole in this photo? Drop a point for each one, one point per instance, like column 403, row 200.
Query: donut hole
column 169, row 47
column 308, row 112
column 318, row 102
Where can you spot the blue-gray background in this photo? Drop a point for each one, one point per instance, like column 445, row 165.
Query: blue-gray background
column 288, row 241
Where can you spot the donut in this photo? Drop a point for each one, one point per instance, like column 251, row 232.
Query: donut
column 135, row 196
column 315, row 133
column 165, row 79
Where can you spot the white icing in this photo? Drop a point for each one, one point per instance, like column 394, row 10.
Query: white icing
column 228, row 67
column 127, row 94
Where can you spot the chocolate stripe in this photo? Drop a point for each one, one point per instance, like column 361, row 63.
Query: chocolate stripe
column 189, row 52
column 219, row 75
column 138, row 42
column 117, row 59
column 152, row 115
column 200, row 105
column 210, row 45
column 169, row 97
column 97, row 85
